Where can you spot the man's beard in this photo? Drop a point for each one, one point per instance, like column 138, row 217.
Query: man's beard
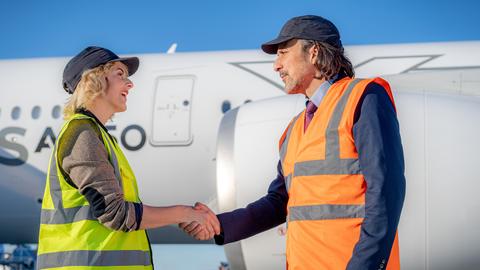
column 299, row 84
column 296, row 86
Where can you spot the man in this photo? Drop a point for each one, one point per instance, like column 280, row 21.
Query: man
column 340, row 183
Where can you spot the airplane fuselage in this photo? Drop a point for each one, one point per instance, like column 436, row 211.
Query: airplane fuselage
column 169, row 132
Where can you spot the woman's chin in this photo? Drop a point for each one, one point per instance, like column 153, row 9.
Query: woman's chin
column 121, row 109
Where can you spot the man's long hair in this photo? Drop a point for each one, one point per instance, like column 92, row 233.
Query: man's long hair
column 331, row 60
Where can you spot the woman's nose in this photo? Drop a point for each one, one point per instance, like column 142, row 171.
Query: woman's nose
column 129, row 83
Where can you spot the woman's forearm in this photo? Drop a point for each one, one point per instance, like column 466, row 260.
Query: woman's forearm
column 154, row 217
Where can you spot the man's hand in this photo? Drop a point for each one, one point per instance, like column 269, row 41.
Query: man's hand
column 203, row 224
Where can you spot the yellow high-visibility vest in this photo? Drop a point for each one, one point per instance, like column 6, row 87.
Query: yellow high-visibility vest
column 71, row 237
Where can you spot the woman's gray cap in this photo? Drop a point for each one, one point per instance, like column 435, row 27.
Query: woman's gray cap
column 92, row 57
column 309, row 27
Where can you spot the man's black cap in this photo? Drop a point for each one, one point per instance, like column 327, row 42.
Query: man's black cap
column 92, row 57
column 305, row 27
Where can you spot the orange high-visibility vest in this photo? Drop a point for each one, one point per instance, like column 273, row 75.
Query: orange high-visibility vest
column 325, row 184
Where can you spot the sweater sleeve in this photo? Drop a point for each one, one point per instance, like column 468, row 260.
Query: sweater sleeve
column 84, row 160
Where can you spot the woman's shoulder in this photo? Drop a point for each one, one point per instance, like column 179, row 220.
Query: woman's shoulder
column 80, row 148
column 76, row 126
column 82, row 134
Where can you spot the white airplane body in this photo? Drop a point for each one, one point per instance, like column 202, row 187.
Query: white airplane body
column 183, row 148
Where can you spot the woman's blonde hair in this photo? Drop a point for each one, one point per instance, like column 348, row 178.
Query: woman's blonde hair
column 92, row 84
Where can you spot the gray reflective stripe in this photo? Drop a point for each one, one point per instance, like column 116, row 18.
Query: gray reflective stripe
column 94, row 258
column 326, row 211
column 288, row 181
column 283, row 149
column 332, row 146
column 327, row 167
column 54, row 183
column 66, row 215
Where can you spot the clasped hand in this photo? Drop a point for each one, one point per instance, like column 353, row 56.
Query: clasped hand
column 203, row 224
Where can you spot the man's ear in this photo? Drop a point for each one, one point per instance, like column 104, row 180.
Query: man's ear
column 313, row 51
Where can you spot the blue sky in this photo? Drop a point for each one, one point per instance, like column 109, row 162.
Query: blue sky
column 33, row 28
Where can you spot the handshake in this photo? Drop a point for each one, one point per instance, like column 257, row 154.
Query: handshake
column 202, row 223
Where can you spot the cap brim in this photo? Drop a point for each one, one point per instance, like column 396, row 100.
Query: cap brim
column 272, row 46
column 132, row 64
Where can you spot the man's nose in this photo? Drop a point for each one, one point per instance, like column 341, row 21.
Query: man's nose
column 277, row 65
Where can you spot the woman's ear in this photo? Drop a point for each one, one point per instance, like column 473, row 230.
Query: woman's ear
column 105, row 84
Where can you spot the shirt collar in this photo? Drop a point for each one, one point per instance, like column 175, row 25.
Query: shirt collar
column 318, row 95
column 320, row 92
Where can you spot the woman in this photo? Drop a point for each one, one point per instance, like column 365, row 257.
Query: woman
column 92, row 216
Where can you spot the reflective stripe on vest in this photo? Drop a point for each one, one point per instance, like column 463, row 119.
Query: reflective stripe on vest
column 284, row 146
column 94, row 258
column 70, row 235
column 325, row 211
